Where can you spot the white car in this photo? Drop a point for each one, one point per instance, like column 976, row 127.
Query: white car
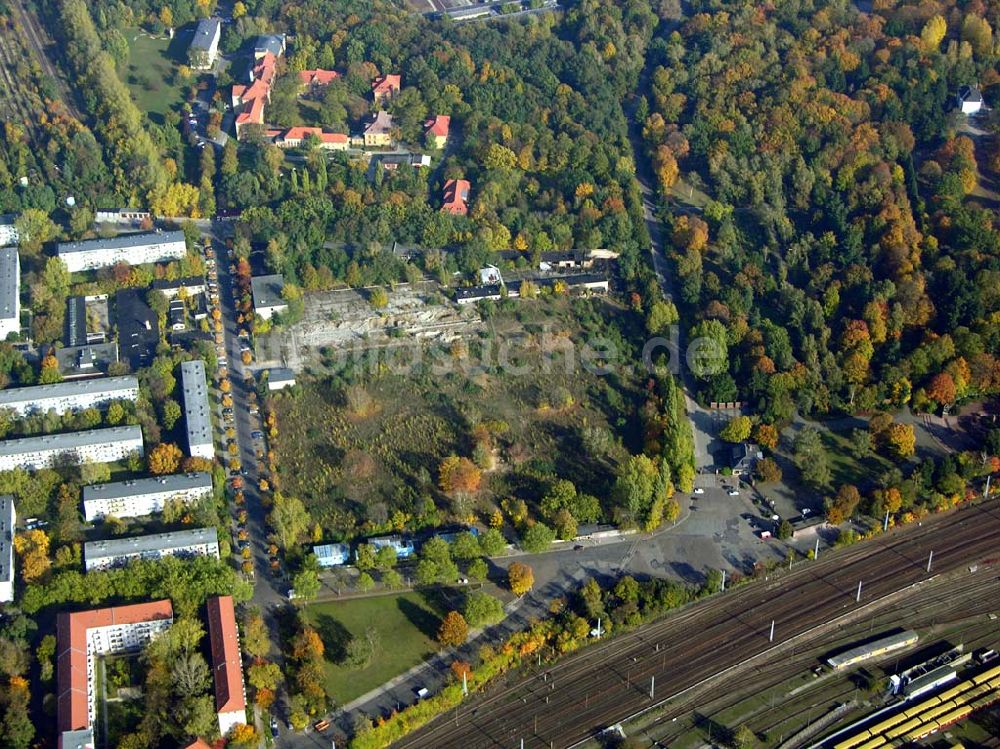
column 699, row 490
column 733, row 493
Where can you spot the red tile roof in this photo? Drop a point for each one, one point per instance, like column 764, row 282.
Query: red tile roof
column 387, row 84
column 199, row 743
column 257, row 93
column 439, row 125
column 71, row 654
column 227, row 667
column 318, row 77
column 456, row 196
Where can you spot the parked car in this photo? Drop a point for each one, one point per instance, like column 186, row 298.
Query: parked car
column 274, row 727
column 257, row 434
column 698, row 490
column 733, row 493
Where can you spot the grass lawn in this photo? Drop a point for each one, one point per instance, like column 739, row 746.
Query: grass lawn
column 151, row 73
column 406, row 624
column 845, row 466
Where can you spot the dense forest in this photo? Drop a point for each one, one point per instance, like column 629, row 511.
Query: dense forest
column 846, row 256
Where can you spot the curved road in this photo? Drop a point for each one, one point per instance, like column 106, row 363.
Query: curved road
column 603, row 684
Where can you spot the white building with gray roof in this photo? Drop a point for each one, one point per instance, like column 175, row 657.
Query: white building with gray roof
column 10, row 292
column 74, row 448
column 197, row 413
column 140, row 497
column 133, row 249
column 75, row 395
column 8, row 518
column 115, row 552
column 205, row 44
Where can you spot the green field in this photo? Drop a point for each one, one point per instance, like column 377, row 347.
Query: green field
column 406, row 625
column 151, row 73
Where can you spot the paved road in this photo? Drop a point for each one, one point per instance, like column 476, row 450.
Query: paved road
column 567, row 702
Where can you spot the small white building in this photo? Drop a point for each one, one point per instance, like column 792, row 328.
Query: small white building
column 8, row 519
column 73, row 448
column 332, row 555
column 279, row 378
column 267, row 298
column 141, row 497
column 196, row 410
column 76, row 395
column 100, row 555
column 204, row 47
column 133, row 249
column 970, row 99
column 10, row 291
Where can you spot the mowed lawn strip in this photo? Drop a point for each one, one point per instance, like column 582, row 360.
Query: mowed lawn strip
column 406, row 624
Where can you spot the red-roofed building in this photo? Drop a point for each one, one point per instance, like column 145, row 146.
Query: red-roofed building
column 293, row 137
column 199, row 743
column 385, row 87
column 318, row 78
column 250, row 100
column 437, row 130
column 81, row 636
column 227, row 668
column 456, row 197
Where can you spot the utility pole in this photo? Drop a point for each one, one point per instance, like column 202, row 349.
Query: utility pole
column 652, row 686
column 885, row 523
column 858, row 598
column 465, row 684
column 771, row 638
column 816, row 552
column 986, row 492
column 723, row 581
column 930, row 558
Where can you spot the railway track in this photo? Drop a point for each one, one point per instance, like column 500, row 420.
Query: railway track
column 19, row 105
column 599, row 686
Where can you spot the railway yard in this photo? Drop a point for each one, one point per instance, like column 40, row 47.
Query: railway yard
column 702, row 655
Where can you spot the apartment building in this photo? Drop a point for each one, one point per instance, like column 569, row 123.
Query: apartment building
column 196, row 410
column 10, row 292
column 81, row 637
column 227, row 667
column 204, row 47
column 62, row 397
column 74, row 448
column 141, row 497
column 8, row 518
column 116, row 552
column 133, row 249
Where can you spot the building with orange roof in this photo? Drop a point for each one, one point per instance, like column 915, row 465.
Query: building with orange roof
column 227, row 667
column 385, row 87
column 199, row 743
column 437, row 129
column 294, row 136
column 250, row 100
column 318, row 78
column 456, row 197
column 80, row 637
column 379, row 131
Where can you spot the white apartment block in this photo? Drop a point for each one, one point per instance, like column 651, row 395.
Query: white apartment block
column 133, row 249
column 10, row 292
column 196, row 410
column 8, row 230
column 80, row 638
column 74, row 448
column 115, row 552
column 8, row 517
column 141, row 497
column 69, row 396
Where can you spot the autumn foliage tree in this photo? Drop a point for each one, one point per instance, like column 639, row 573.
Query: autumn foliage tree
column 33, row 549
column 520, row 577
column 457, row 474
column 164, row 458
column 843, row 505
column 453, row 630
column 901, row 440
column 942, row 389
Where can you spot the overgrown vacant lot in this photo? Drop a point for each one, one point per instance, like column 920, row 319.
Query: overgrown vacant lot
column 358, row 446
column 404, row 627
column 151, row 73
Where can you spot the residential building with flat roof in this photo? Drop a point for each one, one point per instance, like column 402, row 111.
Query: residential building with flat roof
column 227, row 667
column 82, row 636
column 279, row 378
column 404, row 546
column 69, row 396
column 10, row 292
column 93, row 446
column 266, row 291
column 332, row 555
column 141, row 497
column 8, row 229
column 8, row 519
column 196, row 410
column 133, row 249
column 192, row 285
column 115, row 552
column 92, row 360
column 204, row 47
